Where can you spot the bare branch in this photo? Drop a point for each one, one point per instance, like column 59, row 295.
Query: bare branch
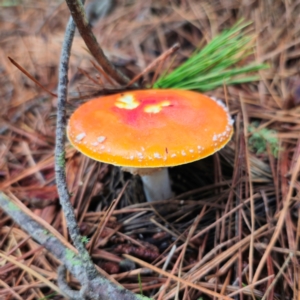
column 77, row 10
column 61, row 181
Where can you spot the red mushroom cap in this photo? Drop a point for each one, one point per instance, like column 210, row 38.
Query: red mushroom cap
column 150, row 128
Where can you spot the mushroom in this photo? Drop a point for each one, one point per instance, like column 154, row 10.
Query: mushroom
column 146, row 131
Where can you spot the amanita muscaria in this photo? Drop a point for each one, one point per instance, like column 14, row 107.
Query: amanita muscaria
column 145, row 131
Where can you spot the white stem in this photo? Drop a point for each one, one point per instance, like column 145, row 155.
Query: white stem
column 157, row 185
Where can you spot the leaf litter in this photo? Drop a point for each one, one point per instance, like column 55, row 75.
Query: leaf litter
column 233, row 226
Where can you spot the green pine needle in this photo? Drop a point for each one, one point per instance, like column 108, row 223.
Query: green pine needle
column 213, row 66
column 140, row 284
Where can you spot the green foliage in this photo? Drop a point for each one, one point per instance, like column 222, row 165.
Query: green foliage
column 71, row 256
column 13, row 207
column 85, row 239
column 212, row 66
column 260, row 138
column 46, row 232
column 51, row 296
column 9, row 3
column 142, row 297
column 61, row 159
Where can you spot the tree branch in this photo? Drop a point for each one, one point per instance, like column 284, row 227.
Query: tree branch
column 77, row 11
column 61, row 181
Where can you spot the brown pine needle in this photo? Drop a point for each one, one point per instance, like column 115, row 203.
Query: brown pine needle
column 175, row 278
column 280, row 223
column 100, row 70
column 158, row 60
column 88, row 76
column 30, row 76
column 32, row 272
column 104, row 220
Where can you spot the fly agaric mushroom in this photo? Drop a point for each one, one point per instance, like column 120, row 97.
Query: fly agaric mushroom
column 145, row 131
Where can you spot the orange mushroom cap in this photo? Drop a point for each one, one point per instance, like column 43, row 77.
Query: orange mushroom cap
column 150, row 128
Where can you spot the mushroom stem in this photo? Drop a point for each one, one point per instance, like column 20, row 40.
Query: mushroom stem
column 156, row 182
column 157, row 185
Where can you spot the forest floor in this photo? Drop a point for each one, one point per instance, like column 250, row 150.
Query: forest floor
column 233, row 226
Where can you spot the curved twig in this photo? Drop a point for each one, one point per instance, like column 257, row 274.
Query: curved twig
column 61, row 181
